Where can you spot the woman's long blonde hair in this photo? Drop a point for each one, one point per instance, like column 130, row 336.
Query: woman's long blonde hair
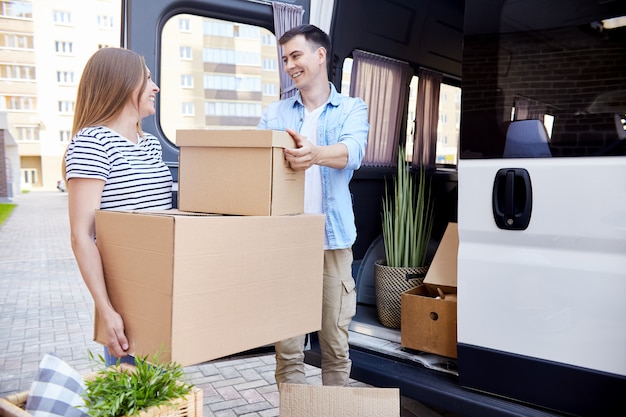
column 109, row 79
column 108, row 82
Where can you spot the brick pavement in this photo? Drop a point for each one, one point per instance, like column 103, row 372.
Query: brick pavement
column 45, row 307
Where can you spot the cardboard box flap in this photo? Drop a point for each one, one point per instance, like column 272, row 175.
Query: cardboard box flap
column 175, row 212
column 442, row 271
column 301, row 400
column 252, row 138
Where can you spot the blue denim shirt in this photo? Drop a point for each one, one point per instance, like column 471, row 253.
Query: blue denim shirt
column 343, row 120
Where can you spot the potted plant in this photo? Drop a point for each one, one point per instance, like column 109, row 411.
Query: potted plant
column 407, row 220
column 147, row 388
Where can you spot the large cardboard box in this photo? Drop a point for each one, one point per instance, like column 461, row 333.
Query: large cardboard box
column 240, row 172
column 428, row 312
column 299, row 400
column 200, row 287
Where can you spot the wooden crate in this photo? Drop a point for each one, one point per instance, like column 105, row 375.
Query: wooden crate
column 189, row 406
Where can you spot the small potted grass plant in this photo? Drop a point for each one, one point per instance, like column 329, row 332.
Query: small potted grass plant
column 147, row 388
column 407, row 220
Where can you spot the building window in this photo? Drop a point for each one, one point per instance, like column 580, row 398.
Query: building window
column 188, row 109
column 63, row 47
column 17, row 9
column 270, row 65
column 218, row 28
column 186, row 81
column 65, row 77
column 270, row 90
column 221, row 56
column 27, row 132
column 185, row 52
column 184, row 25
column 105, row 22
column 65, row 135
column 247, row 31
column 231, row 82
column 16, row 41
column 62, row 17
column 17, row 72
column 66, row 106
column 268, row 40
column 29, row 176
column 20, row 103
column 216, row 108
column 228, row 56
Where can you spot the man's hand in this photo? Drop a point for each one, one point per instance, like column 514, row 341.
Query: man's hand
column 304, row 155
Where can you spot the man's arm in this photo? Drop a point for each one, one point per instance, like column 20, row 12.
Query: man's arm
column 307, row 154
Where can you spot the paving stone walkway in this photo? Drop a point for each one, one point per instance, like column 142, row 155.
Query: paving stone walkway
column 45, row 307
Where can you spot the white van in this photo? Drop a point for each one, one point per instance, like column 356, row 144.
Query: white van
column 526, row 153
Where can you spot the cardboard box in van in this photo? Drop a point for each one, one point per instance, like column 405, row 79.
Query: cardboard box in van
column 197, row 287
column 239, row 172
column 428, row 312
column 300, row 400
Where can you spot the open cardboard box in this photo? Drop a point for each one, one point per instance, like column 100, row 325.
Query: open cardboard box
column 240, row 172
column 428, row 312
column 197, row 287
column 299, row 400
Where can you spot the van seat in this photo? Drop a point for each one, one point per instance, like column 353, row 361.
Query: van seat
column 526, row 139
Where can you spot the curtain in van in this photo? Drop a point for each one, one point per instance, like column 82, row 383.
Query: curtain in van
column 426, row 119
column 286, row 16
column 382, row 83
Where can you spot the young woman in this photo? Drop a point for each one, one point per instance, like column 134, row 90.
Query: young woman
column 112, row 164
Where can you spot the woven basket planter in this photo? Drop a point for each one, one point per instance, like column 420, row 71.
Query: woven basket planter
column 390, row 283
column 189, row 406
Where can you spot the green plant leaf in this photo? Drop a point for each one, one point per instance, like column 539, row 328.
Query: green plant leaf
column 113, row 392
column 407, row 216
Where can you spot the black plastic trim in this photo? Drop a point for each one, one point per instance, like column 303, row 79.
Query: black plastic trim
column 433, row 388
column 570, row 389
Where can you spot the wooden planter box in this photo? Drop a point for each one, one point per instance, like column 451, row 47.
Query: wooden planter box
column 189, row 406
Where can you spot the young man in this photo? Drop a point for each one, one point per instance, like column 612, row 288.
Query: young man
column 330, row 132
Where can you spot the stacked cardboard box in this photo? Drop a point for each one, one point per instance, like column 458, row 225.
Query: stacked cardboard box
column 239, row 172
column 199, row 283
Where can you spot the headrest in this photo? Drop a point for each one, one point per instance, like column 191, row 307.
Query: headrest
column 526, row 139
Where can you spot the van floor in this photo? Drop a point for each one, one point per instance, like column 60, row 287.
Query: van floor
column 367, row 332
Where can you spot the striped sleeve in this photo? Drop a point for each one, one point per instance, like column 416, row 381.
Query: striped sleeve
column 87, row 157
column 134, row 173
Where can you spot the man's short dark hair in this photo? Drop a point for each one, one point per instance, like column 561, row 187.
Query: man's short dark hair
column 311, row 33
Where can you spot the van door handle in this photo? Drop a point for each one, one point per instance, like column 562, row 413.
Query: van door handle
column 512, row 199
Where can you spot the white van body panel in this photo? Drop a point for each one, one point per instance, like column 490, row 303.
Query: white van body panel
column 537, row 292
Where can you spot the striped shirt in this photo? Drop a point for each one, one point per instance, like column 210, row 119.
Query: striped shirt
column 134, row 174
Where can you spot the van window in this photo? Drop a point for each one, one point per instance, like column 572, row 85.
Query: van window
column 448, row 127
column 449, row 124
column 565, row 74
column 215, row 74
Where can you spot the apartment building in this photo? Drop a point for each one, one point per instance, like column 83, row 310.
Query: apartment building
column 213, row 74
column 43, row 48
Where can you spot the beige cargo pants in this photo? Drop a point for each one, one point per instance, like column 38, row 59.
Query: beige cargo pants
column 338, row 308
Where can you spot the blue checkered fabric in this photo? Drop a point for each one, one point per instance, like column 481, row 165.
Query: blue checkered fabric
column 56, row 390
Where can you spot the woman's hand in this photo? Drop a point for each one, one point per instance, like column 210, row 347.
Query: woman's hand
column 116, row 339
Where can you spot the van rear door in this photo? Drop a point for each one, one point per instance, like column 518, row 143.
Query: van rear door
column 542, row 203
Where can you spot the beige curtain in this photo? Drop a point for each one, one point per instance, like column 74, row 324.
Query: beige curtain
column 426, row 119
column 382, row 83
column 286, row 16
